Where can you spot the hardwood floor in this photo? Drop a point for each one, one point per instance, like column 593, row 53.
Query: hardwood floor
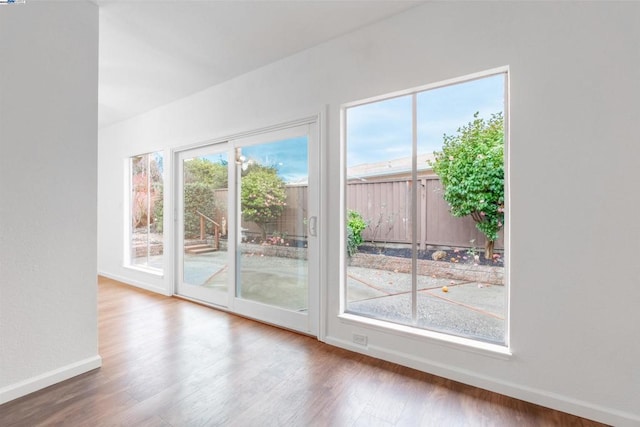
column 169, row 362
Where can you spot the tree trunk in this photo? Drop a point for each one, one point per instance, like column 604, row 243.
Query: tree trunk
column 488, row 249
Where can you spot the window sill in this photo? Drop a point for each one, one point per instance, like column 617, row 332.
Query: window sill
column 458, row 343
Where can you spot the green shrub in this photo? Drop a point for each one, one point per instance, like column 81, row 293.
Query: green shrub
column 158, row 210
column 355, row 225
column 198, row 197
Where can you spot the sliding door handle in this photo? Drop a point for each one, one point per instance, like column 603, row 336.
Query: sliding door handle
column 313, row 226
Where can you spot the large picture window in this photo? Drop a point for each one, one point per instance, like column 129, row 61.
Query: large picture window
column 146, row 211
column 426, row 209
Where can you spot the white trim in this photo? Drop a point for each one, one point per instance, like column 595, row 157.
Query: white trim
column 126, row 212
column 145, row 269
column 128, row 229
column 272, row 315
column 314, row 203
column 47, row 379
column 246, row 134
column 168, row 229
column 430, row 86
column 413, row 205
column 138, row 284
column 414, row 332
column 274, row 135
column 452, row 341
column 507, row 204
column 537, row 396
column 342, row 301
column 322, row 130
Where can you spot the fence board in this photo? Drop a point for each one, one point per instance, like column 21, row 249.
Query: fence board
column 385, row 205
column 384, row 201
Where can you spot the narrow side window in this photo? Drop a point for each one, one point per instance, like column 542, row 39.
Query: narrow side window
column 146, row 211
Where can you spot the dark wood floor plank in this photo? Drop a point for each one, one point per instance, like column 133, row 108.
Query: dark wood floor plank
column 169, row 362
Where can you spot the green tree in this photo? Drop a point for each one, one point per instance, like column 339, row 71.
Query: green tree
column 471, row 169
column 263, row 196
column 205, row 171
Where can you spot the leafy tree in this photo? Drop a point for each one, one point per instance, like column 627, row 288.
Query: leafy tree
column 205, row 171
column 263, row 196
column 471, row 169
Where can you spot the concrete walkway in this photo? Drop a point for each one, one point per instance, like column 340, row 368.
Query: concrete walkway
column 468, row 309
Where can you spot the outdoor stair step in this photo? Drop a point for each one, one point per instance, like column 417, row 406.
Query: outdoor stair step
column 202, row 250
column 197, row 246
column 199, row 249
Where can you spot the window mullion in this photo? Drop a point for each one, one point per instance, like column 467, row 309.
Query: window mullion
column 414, row 209
column 148, row 208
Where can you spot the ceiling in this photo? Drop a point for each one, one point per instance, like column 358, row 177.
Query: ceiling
column 155, row 52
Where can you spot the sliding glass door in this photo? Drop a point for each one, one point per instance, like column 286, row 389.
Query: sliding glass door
column 203, row 200
column 248, row 221
column 276, row 228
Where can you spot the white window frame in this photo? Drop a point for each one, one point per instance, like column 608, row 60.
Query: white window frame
column 495, row 350
column 128, row 238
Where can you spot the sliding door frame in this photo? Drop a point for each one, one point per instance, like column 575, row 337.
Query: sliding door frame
column 315, row 318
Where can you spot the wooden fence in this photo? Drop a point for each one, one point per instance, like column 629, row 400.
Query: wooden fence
column 292, row 223
column 385, row 206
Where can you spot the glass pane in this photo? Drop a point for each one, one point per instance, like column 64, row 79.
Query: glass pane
column 205, row 221
column 461, row 277
column 147, row 210
column 272, row 265
column 379, row 150
column 458, row 276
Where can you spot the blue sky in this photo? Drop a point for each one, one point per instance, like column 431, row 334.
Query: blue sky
column 289, row 156
column 382, row 131
column 158, row 157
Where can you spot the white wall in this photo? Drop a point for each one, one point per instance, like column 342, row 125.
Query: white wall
column 574, row 199
column 48, row 180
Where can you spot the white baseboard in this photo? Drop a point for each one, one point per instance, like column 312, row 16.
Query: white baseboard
column 47, row 379
column 540, row 397
column 136, row 283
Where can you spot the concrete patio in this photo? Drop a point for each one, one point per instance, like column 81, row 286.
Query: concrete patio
column 469, row 309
